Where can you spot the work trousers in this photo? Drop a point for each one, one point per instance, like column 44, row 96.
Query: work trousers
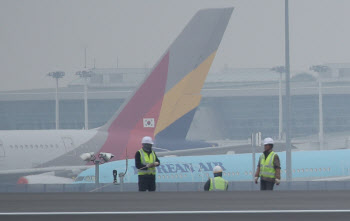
column 147, row 182
column 266, row 185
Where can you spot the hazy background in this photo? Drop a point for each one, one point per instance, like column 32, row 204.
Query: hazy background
column 39, row 36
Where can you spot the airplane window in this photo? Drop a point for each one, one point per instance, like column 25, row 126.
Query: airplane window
column 26, row 146
column 93, row 178
column 233, row 173
column 79, row 178
column 46, row 146
column 302, row 170
column 11, row 146
column 237, row 173
column 163, row 177
column 185, row 175
column 159, row 177
column 21, row 146
column 180, row 176
column 306, row 170
column 311, row 170
column 41, row 146
column 172, row 176
column 320, row 169
column 324, row 169
column 315, row 170
column 298, row 171
column 250, row 173
column 87, row 178
column 51, row 145
column 176, row 176
column 31, row 146
column 167, row 176
column 246, row 173
column 294, row 171
column 36, row 146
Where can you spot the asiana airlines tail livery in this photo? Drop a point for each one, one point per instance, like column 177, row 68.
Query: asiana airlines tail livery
column 163, row 106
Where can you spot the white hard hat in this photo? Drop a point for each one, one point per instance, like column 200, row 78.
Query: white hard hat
column 268, row 140
column 217, row 169
column 147, row 139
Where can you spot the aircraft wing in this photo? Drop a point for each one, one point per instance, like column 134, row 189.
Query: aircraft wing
column 45, row 175
column 43, row 170
column 340, row 178
column 219, row 150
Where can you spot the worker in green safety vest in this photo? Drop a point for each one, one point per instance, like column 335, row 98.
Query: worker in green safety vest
column 269, row 167
column 217, row 183
column 146, row 162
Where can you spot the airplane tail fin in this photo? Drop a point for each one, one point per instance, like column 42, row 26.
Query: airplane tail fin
column 170, row 93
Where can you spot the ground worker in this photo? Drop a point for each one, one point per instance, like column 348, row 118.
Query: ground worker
column 269, row 167
column 217, row 183
column 146, row 162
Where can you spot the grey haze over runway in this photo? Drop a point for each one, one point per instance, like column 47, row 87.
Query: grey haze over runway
column 39, row 36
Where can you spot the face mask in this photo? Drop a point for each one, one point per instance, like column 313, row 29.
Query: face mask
column 147, row 147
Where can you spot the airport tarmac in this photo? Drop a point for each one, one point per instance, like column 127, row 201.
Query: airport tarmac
column 311, row 205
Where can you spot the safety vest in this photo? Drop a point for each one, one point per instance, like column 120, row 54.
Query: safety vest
column 266, row 166
column 218, row 184
column 146, row 159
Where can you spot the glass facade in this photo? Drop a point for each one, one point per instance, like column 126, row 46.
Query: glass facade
column 235, row 117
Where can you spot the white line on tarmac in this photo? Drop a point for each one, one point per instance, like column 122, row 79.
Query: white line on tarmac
column 174, row 212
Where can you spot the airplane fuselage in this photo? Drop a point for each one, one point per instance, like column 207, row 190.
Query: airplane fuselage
column 35, row 148
column 307, row 165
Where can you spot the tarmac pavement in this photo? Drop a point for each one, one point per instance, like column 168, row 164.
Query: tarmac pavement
column 284, row 205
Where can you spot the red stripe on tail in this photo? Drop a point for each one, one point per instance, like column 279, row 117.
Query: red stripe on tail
column 127, row 129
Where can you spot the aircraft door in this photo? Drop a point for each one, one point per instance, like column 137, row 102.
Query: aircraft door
column 69, row 145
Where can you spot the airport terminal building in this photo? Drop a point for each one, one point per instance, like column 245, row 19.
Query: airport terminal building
column 235, row 103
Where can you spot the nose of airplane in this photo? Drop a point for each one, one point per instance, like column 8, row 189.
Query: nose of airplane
column 22, row 180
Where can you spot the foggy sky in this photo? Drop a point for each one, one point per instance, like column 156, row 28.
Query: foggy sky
column 39, row 36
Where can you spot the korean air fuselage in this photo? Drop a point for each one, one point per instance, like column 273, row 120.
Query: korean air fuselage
column 307, row 165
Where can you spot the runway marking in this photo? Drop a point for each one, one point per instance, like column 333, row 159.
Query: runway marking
column 101, row 187
column 174, row 212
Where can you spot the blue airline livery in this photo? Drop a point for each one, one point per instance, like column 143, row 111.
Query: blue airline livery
column 307, row 165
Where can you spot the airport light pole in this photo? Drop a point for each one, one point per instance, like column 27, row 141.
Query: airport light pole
column 85, row 75
column 57, row 75
column 287, row 103
column 320, row 69
column 280, row 70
